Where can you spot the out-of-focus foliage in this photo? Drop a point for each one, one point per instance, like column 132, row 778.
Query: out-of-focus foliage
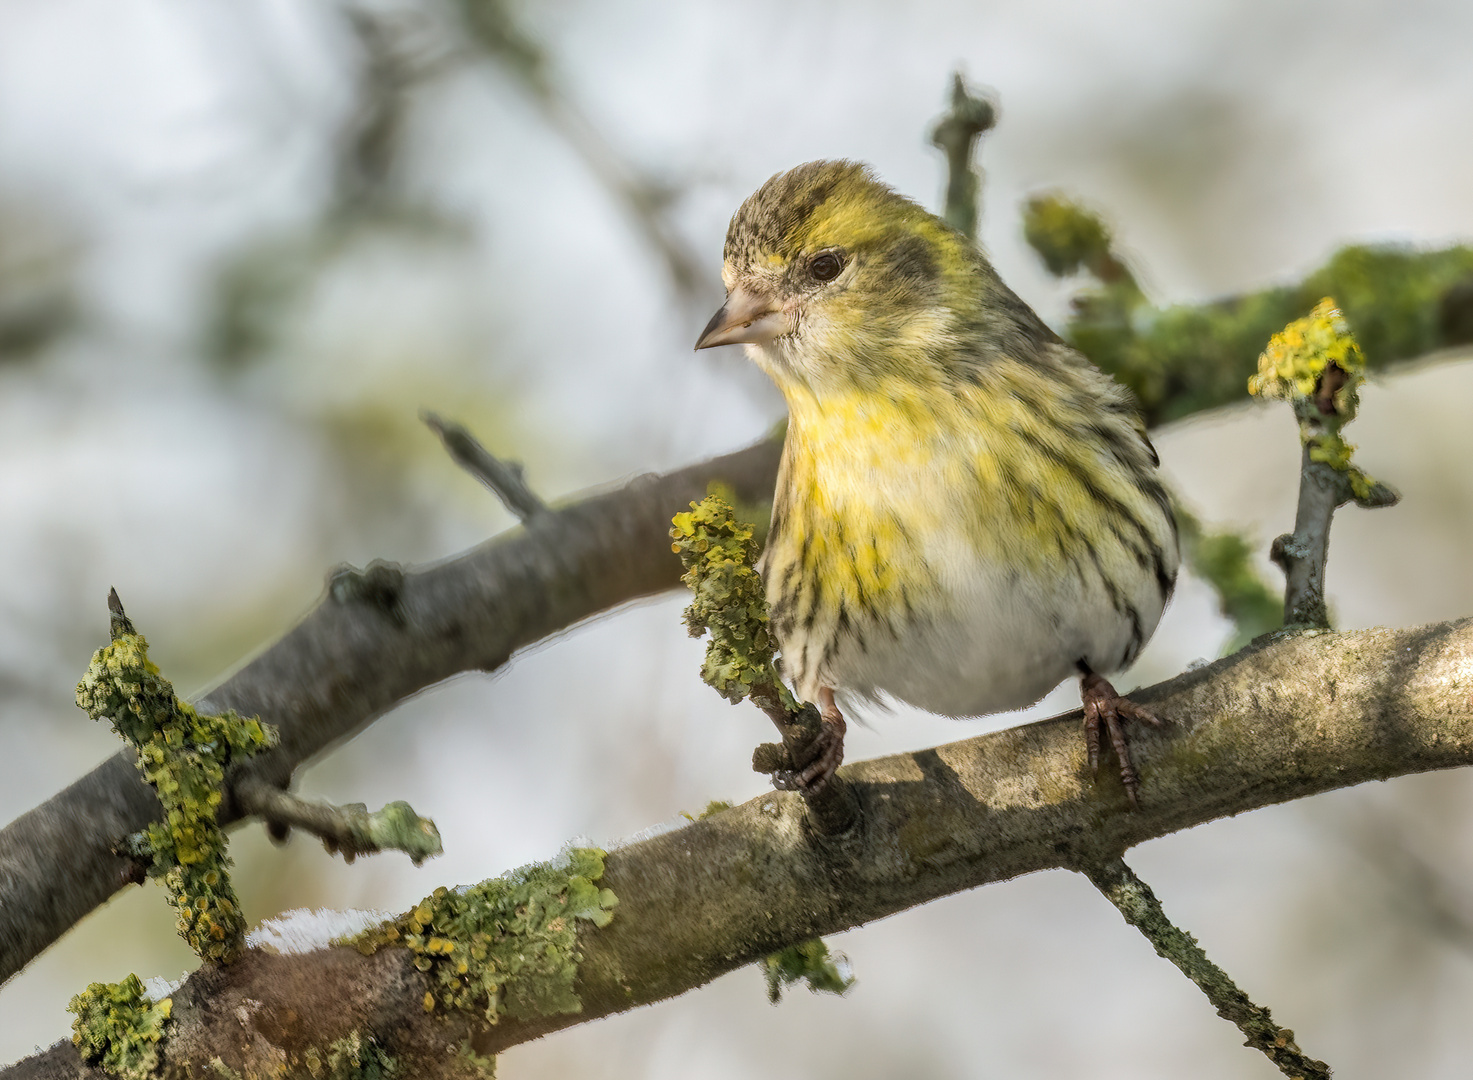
column 1402, row 303
column 811, row 962
column 37, row 293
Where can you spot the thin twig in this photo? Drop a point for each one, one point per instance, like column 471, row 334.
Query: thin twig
column 493, row 27
column 348, row 829
column 1302, row 553
column 504, row 478
column 832, row 807
column 1143, row 911
column 1316, row 366
column 956, row 135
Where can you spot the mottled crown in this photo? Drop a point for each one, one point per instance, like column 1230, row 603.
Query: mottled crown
column 779, row 217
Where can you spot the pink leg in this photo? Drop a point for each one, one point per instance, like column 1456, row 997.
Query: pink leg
column 828, row 747
column 1106, row 710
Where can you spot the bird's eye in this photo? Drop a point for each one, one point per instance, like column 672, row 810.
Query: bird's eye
column 826, row 266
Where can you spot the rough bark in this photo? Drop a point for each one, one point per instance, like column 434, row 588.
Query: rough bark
column 1284, row 719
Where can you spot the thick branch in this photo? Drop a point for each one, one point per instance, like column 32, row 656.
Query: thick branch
column 351, row 660
column 1296, row 716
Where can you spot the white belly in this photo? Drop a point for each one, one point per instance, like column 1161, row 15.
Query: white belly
column 1000, row 641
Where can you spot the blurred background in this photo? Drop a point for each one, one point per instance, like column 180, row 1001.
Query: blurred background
column 242, row 244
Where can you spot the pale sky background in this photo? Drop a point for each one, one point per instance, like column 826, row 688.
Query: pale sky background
column 146, row 145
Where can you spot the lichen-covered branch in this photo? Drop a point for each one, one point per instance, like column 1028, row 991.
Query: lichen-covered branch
column 355, row 656
column 736, row 886
column 350, row 830
column 1142, row 910
column 504, row 479
column 719, row 553
column 1315, row 364
column 1180, row 359
column 183, row 754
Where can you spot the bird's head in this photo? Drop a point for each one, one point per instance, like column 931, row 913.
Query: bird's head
column 834, row 280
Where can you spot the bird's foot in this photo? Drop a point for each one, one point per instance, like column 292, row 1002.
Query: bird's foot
column 1105, row 711
column 826, row 749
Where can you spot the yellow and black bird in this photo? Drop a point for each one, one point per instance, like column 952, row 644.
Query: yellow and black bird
column 967, row 510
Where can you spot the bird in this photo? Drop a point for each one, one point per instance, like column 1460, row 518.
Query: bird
column 967, row 510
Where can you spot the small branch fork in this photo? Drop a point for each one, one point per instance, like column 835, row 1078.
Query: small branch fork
column 503, row 478
column 1135, row 900
column 348, row 829
column 1303, row 553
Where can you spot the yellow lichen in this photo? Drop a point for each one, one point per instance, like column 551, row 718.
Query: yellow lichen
column 183, row 755
column 508, row 946
column 1315, row 364
column 119, row 1028
column 719, row 553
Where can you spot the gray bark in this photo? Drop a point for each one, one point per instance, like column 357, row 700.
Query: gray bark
column 1288, row 718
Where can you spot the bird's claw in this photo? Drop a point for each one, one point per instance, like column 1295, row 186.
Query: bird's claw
column 1106, row 710
column 822, row 756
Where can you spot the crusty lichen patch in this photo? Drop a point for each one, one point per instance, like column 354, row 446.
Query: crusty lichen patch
column 1315, row 364
column 719, row 553
column 183, row 755
column 508, row 946
column 119, row 1028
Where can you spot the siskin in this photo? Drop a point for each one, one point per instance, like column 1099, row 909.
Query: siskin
column 967, row 511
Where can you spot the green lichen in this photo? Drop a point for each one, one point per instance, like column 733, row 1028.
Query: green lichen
column 1181, row 359
column 183, row 755
column 119, row 1028
column 508, row 946
column 394, row 828
column 353, row 1058
column 478, row 1065
column 811, row 962
column 715, row 806
column 1069, row 238
column 1315, row 364
column 719, row 554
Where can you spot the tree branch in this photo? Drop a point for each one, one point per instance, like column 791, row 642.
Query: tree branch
column 1295, row 716
column 349, row 829
column 355, row 656
column 1142, row 910
column 503, row 479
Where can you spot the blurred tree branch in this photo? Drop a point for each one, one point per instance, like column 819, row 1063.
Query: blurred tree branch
column 1402, row 304
column 731, row 888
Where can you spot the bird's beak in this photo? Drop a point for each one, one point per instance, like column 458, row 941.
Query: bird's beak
column 748, row 317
